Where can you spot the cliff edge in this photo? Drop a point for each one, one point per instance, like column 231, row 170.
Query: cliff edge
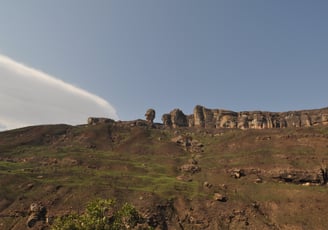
column 220, row 118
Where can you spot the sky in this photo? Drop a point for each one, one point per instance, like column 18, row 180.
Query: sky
column 62, row 61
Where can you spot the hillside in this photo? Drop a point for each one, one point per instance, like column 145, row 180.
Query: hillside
column 177, row 178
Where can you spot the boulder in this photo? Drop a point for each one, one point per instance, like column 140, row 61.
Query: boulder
column 193, row 161
column 237, row 173
column 191, row 168
column 219, row 197
column 182, row 140
column 207, row 184
column 37, row 213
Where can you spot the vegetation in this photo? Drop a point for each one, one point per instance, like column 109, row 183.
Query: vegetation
column 100, row 215
column 63, row 167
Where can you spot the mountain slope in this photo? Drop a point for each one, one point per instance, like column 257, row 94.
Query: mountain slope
column 185, row 178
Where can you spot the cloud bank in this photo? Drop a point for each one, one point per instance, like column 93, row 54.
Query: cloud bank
column 29, row 96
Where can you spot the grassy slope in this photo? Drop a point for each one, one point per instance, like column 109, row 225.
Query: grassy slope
column 64, row 167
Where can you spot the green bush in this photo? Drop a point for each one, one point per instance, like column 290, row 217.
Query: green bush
column 100, row 215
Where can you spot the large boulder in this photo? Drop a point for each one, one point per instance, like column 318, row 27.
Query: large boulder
column 37, row 213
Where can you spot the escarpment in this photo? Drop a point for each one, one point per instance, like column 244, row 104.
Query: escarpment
column 220, row 118
column 203, row 117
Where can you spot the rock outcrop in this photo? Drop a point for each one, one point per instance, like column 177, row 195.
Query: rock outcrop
column 37, row 213
column 220, row 118
column 176, row 118
column 150, row 116
column 99, row 120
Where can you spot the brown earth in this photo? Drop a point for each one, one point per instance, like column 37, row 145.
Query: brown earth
column 182, row 178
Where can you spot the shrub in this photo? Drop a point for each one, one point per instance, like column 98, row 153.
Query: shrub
column 100, row 215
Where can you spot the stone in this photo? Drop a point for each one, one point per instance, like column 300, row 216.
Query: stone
column 150, row 116
column 207, row 184
column 184, row 178
column 182, row 140
column 37, row 213
column 31, row 220
column 34, row 207
column 237, row 173
column 219, row 197
column 191, row 168
column 192, row 161
column 29, row 186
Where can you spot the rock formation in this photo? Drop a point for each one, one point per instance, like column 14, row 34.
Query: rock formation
column 150, row 116
column 167, row 121
column 176, row 118
column 220, row 118
column 37, row 213
column 99, row 120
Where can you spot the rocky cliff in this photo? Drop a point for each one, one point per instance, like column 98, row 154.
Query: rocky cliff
column 220, row 118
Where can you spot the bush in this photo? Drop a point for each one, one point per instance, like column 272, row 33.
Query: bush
column 100, row 215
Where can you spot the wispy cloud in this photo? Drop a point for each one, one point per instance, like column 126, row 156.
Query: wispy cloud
column 29, row 96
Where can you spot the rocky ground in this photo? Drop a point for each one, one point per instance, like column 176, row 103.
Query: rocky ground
column 177, row 178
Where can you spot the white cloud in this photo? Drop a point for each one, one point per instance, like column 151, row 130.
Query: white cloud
column 29, row 96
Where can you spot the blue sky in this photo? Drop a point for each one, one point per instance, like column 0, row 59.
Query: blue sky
column 233, row 54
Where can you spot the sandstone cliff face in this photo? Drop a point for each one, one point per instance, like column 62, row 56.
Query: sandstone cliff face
column 219, row 118
column 176, row 118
